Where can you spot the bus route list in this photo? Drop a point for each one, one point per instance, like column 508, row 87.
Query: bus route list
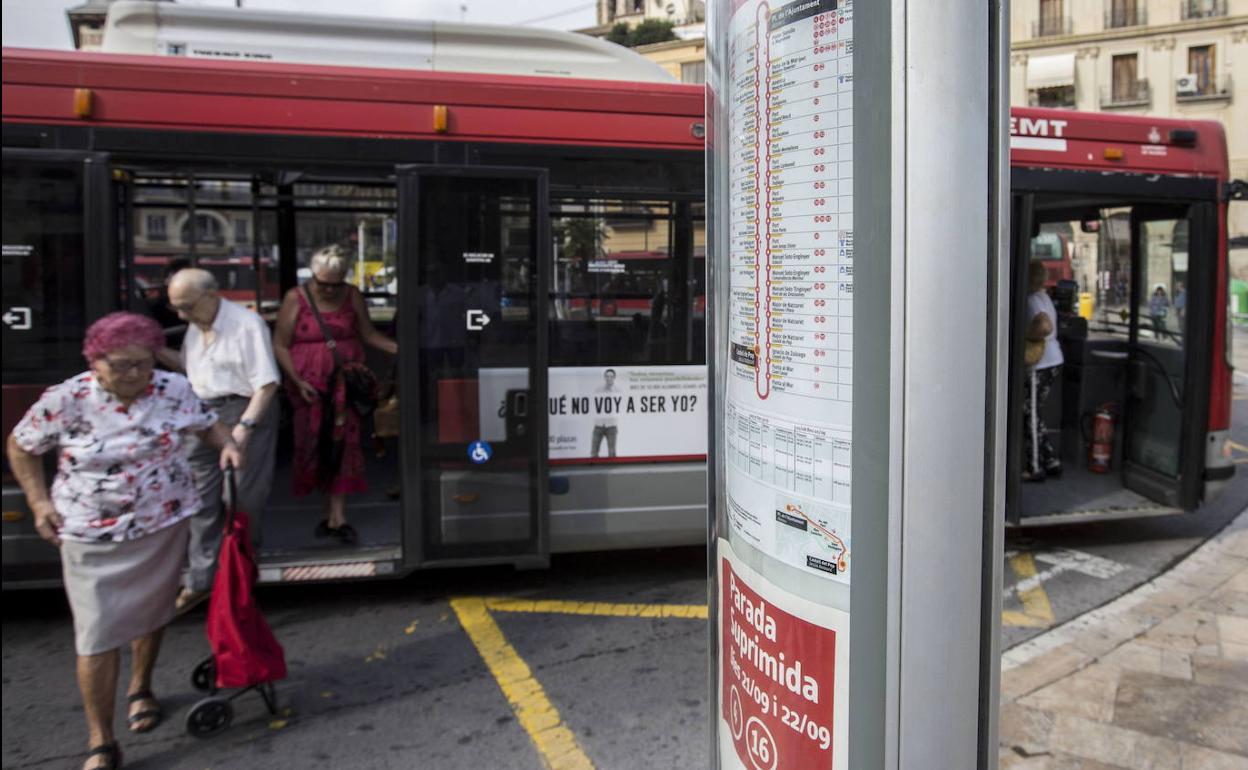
column 792, row 274
column 788, row 428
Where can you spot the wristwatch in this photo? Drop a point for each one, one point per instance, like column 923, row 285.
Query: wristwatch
column 248, row 423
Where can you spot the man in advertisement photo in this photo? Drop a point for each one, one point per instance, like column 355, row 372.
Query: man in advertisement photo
column 605, row 424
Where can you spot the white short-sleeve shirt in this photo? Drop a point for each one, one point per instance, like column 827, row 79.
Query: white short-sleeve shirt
column 1040, row 302
column 122, row 471
column 240, row 359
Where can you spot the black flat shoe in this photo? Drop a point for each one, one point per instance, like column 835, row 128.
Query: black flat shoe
column 346, row 533
column 1053, row 471
column 323, row 529
column 112, row 756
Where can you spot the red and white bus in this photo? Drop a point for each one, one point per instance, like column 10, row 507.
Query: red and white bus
column 475, row 191
column 543, row 243
column 1124, row 208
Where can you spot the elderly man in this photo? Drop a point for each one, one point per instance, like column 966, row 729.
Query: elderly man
column 228, row 357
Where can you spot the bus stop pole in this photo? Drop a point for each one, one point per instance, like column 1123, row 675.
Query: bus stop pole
column 881, row 588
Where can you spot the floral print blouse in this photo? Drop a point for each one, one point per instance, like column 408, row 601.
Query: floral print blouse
column 122, row 472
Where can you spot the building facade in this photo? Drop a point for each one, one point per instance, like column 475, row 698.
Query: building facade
column 1167, row 58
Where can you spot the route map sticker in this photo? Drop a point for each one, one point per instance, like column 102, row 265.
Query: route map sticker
column 783, row 675
column 791, row 317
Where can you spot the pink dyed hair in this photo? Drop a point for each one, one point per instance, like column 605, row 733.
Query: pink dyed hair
column 117, row 330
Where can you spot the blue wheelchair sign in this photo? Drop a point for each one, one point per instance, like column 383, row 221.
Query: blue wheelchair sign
column 479, row 452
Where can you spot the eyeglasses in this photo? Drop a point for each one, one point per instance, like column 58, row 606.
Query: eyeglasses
column 186, row 307
column 122, row 366
column 328, row 284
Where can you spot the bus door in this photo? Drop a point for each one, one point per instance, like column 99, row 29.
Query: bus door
column 475, row 246
column 59, row 276
column 1167, row 404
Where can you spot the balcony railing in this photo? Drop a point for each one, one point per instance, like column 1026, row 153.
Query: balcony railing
column 1201, row 9
column 1213, row 88
column 1050, row 26
column 1119, row 14
column 1134, row 93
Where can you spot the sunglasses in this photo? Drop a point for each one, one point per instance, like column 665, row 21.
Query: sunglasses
column 328, row 284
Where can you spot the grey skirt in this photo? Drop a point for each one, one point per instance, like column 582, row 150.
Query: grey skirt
column 119, row 592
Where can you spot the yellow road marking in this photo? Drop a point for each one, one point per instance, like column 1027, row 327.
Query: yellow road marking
column 1037, row 612
column 555, row 743
column 606, row 609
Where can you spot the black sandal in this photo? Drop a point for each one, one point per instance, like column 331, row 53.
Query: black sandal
column 111, row 751
column 155, row 715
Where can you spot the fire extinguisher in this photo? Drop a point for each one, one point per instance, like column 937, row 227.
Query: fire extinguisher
column 1101, row 446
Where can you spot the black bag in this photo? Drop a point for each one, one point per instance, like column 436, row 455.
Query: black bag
column 360, row 382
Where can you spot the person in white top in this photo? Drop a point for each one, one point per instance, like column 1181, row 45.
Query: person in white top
column 605, row 425
column 228, row 357
column 1040, row 460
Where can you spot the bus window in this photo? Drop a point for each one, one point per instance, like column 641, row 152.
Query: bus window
column 361, row 219
column 44, row 291
column 697, row 288
column 613, row 283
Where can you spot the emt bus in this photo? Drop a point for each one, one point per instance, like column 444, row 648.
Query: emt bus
column 1136, row 209
column 534, row 237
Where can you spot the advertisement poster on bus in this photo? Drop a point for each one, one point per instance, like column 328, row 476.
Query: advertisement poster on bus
column 783, row 676
column 619, row 413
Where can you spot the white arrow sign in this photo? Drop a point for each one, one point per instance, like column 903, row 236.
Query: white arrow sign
column 17, row 318
column 477, row 320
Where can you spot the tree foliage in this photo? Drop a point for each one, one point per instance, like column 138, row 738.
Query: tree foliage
column 647, row 32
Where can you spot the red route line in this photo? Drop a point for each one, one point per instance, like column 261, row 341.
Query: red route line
column 762, row 202
column 844, row 551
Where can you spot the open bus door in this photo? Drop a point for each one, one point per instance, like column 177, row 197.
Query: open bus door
column 1167, row 404
column 59, row 276
column 1143, row 356
column 475, row 245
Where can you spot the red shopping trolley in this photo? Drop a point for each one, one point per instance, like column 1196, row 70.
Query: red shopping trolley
column 245, row 654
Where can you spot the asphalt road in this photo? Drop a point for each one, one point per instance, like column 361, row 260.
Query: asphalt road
column 397, row 675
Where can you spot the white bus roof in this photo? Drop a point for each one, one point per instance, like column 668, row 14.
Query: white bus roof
column 162, row 28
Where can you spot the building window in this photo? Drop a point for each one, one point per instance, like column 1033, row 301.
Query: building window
column 207, row 231
column 1125, row 75
column 693, row 72
column 1052, row 20
column 1124, row 13
column 241, row 236
column 1203, row 9
column 156, row 228
column 1200, row 62
column 1059, row 96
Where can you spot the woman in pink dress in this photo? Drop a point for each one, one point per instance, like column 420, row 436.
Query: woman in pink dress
column 304, row 354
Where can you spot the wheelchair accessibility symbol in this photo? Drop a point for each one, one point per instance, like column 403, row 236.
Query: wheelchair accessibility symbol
column 479, row 452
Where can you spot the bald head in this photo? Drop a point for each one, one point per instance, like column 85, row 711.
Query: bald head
column 193, row 279
column 193, row 293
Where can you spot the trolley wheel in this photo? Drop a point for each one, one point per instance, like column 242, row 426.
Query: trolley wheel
column 209, row 717
column 204, row 677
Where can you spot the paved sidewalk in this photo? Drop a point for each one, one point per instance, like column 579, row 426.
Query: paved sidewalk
column 1155, row 680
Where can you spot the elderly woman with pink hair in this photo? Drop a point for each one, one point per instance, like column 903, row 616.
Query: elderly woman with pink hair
column 118, row 508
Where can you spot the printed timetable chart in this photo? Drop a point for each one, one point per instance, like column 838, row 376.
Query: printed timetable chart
column 790, row 371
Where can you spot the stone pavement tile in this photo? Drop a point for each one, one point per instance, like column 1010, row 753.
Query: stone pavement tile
column 1200, row 758
column 1232, row 651
column 1041, row 672
column 1112, row 745
column 1089, row 693
column 1220, row 672
column 1235, row 543
column 1149, row 659
column 1232, row 629
column 1025, row 729
column 1185, row 632
column 1225, row 602
column 1208, row 569
column 1204, row 715
column 1238, row 583
column 1009, row 760
column 1110, row 633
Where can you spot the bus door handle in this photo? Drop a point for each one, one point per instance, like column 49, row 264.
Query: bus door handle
column 517, row 413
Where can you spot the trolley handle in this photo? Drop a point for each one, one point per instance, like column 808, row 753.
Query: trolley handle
column 229, row 499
